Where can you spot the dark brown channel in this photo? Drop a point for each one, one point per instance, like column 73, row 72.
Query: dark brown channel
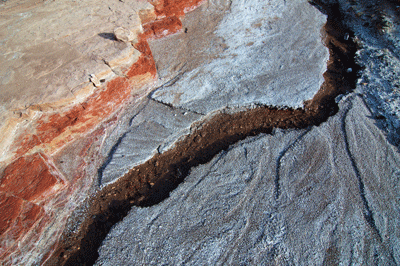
column 151, row 182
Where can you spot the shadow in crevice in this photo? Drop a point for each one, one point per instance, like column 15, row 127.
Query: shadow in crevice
column 107, row 35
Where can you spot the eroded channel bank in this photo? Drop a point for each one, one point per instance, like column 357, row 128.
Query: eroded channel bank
column 151, row 182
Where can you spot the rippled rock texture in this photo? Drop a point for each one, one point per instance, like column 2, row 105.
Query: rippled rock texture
column 297, row 197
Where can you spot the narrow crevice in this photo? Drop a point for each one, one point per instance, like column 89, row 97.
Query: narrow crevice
column 367, row 212
column 151, row 182
column 277, row 190
column 175, row 107
column 137, row 113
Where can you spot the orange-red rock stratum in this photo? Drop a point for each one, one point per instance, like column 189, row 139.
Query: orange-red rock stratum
column 32, row 187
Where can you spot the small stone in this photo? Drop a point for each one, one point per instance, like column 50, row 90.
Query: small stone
column 95, row 80
column 123, row 35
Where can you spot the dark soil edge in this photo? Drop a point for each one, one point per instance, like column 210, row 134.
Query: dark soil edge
column 151, row 182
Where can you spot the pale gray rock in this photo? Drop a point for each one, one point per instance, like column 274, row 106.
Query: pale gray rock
column 264, row 59
column 153, row 128
column 321, row 196
column 48, row 49
column 272, row 54
column 326, row 195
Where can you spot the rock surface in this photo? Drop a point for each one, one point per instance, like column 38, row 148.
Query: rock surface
column 53, row 51
column 152, row 130
column 51, row 110
column 294, row 197
column 378, row 29
column 264, row 59
column 50, row 48
column 326, row 195
column 89, row 122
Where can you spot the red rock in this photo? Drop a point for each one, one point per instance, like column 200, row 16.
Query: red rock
column 163, row 27
column 146, row 16
column 10, row 206
column 17, row 216
column 30, row 178
column 79, row 119
column 170, row 8
column 146, row 63
column 25, row 143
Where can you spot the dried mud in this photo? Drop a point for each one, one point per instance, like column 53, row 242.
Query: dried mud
column 151, row 182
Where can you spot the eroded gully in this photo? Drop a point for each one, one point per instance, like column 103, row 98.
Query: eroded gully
column 151, row 182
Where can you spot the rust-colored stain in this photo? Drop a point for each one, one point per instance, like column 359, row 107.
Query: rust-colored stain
column 163, row 27
column 57, row 123
column 18, row 217
column 169, row 8
column 84, row 117
column 25, row 143
column 10, row 206
column 143, row 46
column 145, row 63
column 28, row 178
column 80, row 118
column 29, row 214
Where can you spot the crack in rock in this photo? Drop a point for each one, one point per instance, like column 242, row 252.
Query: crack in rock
column 368, row 215
column 279, row 159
